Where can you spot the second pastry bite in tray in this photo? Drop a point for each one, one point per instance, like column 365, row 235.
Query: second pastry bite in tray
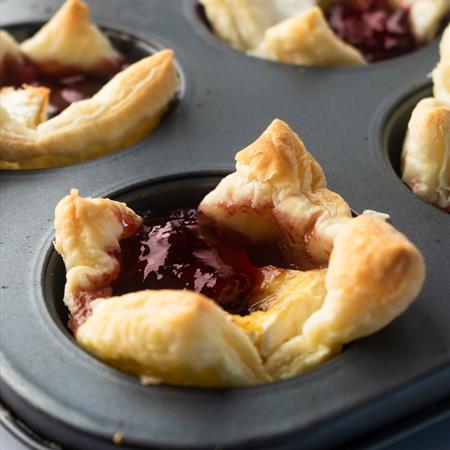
column 67, row 95
column 426, row 151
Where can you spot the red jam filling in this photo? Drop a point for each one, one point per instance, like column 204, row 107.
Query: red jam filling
column 67, row 85
column 375, row 28
column 183, row 249
column 170, row 252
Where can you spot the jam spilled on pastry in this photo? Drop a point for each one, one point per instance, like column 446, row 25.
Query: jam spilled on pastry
column 375, row 28
column 169, row 252
column 67, row 85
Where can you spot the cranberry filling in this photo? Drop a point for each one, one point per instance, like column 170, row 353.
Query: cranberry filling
column 170, row 252
column 183, row 249
column 378, row 30
column 67, row 85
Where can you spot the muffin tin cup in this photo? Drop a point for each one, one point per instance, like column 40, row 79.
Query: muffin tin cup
column 345, row 118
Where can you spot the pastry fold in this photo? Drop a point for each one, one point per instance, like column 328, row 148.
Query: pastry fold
column 279, row 192
column 426, row 150
column 128, row 107
column 70, row 40
column 296, row 31
column 121, row 113
column 307, row 39
column 298, row 318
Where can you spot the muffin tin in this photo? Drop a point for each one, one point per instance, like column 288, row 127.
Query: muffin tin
column 352, row 120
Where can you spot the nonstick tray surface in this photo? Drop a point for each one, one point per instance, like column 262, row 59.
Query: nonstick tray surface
column 352, row 120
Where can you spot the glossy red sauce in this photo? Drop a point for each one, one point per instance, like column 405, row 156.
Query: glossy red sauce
column 67, row 85
column 170, row 252
column 182, row 249
column 375, row 28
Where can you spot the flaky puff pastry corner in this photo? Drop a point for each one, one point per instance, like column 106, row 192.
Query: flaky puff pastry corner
column 307, row 39
column 70, row 39
column 129, row 106
column 426, row 150
column 276, row 181
column 298, row 318
column 88, row 232
column 373, row 275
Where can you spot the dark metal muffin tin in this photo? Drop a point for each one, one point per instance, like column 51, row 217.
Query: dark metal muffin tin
column 353, row 121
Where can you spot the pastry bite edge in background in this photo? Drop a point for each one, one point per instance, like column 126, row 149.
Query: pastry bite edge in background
column 301, row 317
column 425, row 164
column 299, row 32
column 122, row 112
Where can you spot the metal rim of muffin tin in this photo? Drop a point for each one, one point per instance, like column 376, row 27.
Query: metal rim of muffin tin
column 347, row 118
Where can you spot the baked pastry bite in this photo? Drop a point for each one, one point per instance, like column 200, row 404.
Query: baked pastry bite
column 426, row 150
column 326, row 33
column 270, row 277
column 97, row 101
column 71, row 40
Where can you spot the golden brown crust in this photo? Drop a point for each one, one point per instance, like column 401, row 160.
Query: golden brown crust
column 278, row 192
column 125, row 109
column 69, row 39
column 374, row 273
column 88, row 232
column 178, row 337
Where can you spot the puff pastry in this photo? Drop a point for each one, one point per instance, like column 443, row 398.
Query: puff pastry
column 297, row 32
column 426, row 150
column 126, row 108
column 69, row 39
column 297, row 318
column 241, row 23
column 27, row 106
column 121, row 113
column 307, row 39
